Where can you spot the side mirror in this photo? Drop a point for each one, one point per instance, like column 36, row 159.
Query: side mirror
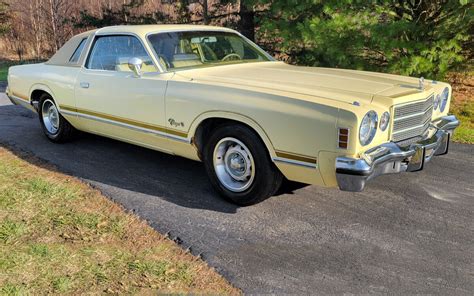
column 135, row 64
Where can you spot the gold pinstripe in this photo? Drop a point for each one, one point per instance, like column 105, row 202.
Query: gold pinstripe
column 282, row 154
column 298, row 157
column 125, row 120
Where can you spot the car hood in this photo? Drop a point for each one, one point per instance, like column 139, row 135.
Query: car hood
column 335, row 84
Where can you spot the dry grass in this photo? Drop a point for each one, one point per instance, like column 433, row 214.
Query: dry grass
column 58, row 235
column 462, row 105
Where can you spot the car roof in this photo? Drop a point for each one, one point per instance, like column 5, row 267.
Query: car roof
column 143, row 30
column 63, row 55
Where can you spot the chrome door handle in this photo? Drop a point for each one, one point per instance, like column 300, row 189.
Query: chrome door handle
column 84, row 84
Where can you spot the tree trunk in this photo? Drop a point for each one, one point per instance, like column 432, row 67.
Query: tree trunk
column 54, row 29
column 247, row 20
column 205, row 13
column 35, row 6
column 20, row 57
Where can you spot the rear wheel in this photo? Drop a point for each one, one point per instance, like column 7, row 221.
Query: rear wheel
column 239, row 167
column 54, row 125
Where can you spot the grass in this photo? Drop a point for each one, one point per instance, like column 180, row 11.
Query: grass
column 465, row 113
column 5, row 64
column 4, row 70
column 462, row 105
column 59, row 236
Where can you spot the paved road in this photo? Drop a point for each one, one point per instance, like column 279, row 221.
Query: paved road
column 406, row 234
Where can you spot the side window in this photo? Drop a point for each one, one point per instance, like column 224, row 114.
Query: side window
column 77, row 53
column 112, row 53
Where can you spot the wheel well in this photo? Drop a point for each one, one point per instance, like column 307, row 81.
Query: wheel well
column 207, row 126
column 36, row 96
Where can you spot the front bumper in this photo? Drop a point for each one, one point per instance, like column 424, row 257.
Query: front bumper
column 353, row 173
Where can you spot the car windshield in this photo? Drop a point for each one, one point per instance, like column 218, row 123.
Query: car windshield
column 193, row 49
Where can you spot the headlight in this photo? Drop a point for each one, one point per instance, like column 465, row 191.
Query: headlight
column 368, row 127
column 444, row 99
column 384, row 120
column 436, row 101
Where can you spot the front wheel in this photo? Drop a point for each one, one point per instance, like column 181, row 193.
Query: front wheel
column 54, row 125
column 239, row 167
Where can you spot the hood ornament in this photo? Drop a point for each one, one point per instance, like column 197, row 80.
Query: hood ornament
column 421, row 83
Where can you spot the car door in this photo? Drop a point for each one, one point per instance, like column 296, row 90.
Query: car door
column 112, row 101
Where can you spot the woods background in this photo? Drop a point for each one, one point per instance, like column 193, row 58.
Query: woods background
column 413, row 37
column 434, row 39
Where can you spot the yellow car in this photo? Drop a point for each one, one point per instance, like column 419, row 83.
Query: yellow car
column 210, row 94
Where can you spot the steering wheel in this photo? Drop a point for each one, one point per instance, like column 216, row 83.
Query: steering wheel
column 231, row 57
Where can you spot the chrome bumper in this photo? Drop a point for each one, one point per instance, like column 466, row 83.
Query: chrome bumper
column 389, row 158
column 7, row 93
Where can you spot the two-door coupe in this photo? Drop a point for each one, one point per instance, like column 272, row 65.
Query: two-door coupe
column 210, row 94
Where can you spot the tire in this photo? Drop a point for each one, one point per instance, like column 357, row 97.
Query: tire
column 239, row 166
column 55, row 127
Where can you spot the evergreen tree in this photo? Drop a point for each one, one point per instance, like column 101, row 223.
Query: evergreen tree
column 414, row 37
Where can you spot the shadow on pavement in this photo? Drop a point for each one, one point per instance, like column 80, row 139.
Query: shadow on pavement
column 117, row 164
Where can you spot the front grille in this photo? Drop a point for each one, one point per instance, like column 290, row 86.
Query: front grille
column 412, row 120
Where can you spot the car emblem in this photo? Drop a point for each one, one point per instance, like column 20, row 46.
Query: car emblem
column 175, row 123
column 421, row 83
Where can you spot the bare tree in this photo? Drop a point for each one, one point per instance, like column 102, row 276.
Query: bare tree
column 57, row 12
column 15, row 36
column 36, row 27
column 45, row 25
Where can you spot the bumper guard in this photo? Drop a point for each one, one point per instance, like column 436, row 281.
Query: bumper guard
column 390, row 158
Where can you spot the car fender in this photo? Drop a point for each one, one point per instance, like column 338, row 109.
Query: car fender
column 43, row 87
column 236, row 117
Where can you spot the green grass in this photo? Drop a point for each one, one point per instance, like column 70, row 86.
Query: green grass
column 4, row 71
column 5, row 64
column 462, row 104
column 465, row 113
column 59, row 236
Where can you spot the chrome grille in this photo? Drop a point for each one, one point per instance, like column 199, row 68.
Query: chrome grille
column 412, row 120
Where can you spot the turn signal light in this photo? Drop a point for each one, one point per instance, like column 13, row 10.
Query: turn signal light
column 343, row 138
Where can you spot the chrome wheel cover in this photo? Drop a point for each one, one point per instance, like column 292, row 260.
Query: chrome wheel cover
column 50, row 116
column 234, row 164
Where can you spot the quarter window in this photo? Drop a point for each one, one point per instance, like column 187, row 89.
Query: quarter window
column 77, row 53
column 112, row 53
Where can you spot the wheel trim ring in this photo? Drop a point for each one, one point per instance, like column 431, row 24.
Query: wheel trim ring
column 50, row 116
column 220, row 169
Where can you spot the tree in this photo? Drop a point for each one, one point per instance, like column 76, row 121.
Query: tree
column 182, row 12
column 123, row 15
column 247, row 19
column 4, row 17
column 15, row 36
column 37, row 26
column 241, row 17
column 57, row 12
column 414, row 37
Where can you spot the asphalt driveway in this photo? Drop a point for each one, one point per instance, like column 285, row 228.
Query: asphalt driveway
column 406, row 234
